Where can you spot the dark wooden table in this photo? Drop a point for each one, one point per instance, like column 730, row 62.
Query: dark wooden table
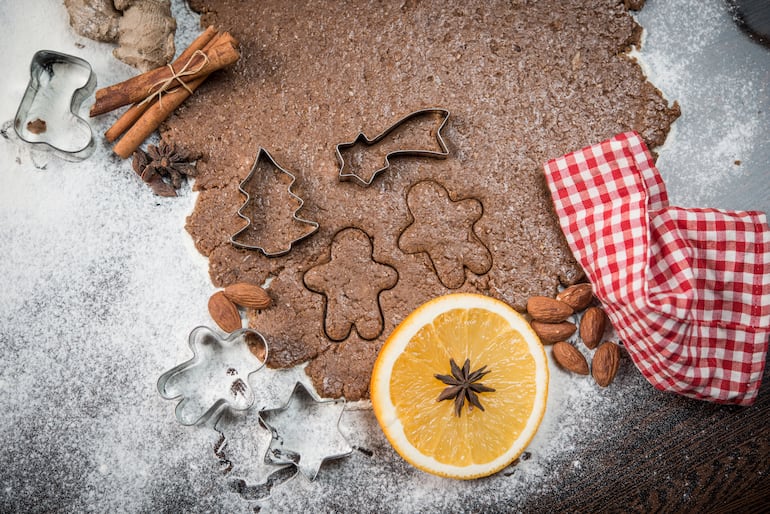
column 670, row 454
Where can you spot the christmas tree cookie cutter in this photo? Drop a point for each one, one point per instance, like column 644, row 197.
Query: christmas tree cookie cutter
column 216, row 377
column 47, row 117
column 435, row 147
column 265, row 159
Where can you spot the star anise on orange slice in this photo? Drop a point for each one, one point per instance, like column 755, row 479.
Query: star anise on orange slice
column 463, row 385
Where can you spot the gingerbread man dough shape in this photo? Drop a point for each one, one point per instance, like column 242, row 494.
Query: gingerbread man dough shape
column 450, row 242
column 351, row 282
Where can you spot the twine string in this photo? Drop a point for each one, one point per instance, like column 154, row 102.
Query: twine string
column 165, row 85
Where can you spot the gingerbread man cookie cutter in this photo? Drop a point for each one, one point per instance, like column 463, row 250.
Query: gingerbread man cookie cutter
column 348, row 174
column 216, row 376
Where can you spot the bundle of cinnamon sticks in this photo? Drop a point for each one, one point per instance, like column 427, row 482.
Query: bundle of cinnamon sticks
column 157, row 93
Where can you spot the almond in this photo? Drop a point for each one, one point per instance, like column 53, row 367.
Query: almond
column 548, row 310
column 605, row 363
column 570, row 358
column 592, row 326
column 553, row 332
column 247, row 295
column 578, row 296
column 224, row 312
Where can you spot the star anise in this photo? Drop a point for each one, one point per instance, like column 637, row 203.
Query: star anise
column 161, row 162
column 154, row 181
column 464, row 385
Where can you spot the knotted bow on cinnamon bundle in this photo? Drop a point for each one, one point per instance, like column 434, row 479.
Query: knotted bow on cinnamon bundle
column 688, row 290
column 157, row 93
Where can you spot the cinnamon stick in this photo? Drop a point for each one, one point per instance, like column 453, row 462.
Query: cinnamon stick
column 135, row 111
column 137, row 89
column 157, row 112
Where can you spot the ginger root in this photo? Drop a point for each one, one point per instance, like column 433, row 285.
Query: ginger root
column 145, row 33
column 94, row 19
column 143, row 29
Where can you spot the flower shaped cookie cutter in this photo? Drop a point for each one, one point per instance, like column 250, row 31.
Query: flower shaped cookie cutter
column 216, row 377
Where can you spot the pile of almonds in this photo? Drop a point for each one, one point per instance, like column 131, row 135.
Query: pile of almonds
column 550, row 323
column 223, row 305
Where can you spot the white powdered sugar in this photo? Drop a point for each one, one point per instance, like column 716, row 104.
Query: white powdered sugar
column 101, row 286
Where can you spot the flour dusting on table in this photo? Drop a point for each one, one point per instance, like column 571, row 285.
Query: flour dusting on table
column 101, row 286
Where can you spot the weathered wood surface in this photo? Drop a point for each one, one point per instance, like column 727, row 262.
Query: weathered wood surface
column 670, row 454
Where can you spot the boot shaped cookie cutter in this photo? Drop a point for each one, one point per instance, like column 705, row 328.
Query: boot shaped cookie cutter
column 48, row 114
column 265, row 155
column 442, row 153
column 216, row 377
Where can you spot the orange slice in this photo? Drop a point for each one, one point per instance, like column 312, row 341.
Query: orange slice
column 405, row 390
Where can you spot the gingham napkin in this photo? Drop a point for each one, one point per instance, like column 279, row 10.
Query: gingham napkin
column 687, row 290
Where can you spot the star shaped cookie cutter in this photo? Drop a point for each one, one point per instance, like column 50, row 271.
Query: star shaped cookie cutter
column 242, row 451
column 361, row 139
column 216, row 377
column 264, row 155
column 306, row 432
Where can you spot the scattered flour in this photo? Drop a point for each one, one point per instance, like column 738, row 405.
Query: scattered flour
column 718, row 152
column 101, row 286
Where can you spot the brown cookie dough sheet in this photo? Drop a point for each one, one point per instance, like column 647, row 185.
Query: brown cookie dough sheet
column 524, row 82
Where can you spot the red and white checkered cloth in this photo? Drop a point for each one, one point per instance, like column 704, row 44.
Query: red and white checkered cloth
column 687, row 290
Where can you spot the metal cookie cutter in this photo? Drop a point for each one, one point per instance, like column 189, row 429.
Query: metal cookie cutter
column 361, row 139
column 306, row 432
column 265, row 156
column 215, row 377
column 48, row 114
column 243, row 439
